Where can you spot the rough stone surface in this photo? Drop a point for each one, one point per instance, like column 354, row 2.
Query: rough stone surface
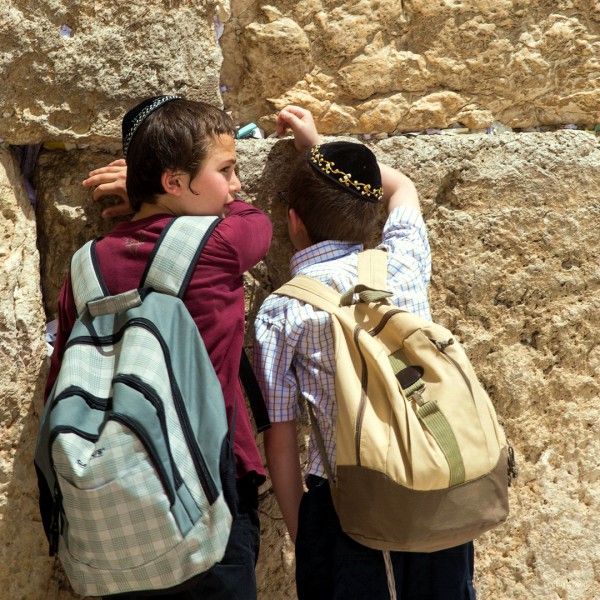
column 67, row 216
column 513, row 219
column 513, row 223
column 382, row 65
column 23, row 566
column 76, row 87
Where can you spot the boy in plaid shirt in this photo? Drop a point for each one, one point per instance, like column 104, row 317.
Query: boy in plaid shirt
column 334, row 199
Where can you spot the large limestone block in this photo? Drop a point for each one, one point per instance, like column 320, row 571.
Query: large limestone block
column 387, row 66
column 67, row 215
column 24, row 569
column 513, row 222
column 70, row 70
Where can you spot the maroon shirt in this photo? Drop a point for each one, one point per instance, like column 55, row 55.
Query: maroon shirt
column 215, row 299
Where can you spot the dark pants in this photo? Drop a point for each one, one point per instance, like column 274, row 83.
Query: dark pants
column 332, row 566
column 234, row 577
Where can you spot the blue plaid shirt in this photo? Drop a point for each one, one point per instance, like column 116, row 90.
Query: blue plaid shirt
column 294, row 350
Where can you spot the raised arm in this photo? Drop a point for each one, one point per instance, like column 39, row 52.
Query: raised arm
column 110, row 181
column 398, row 189
column 303, row 127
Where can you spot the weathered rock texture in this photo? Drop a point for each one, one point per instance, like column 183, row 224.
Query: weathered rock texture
column 513, row 222
column 373, row 66
column 513, row 219
column 361, row 67
column 24, row 569
column 76, row 87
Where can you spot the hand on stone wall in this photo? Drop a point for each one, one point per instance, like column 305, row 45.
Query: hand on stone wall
column 110, row 181
column 303, row 127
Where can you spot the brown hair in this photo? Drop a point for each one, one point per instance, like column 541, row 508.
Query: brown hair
column 328, row 211
column 176, row 136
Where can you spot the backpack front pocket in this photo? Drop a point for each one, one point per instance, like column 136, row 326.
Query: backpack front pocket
column 119, row 511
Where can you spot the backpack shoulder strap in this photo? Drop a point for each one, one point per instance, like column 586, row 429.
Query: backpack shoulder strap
column 372, row 269
column 170, row 269
column 87, row 282
column 312, row 291
column 371, row 286
column 176, row 253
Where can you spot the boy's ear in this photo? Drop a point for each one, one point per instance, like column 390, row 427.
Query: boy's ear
column 295, row 222
column 171, row 182
column 297, row 230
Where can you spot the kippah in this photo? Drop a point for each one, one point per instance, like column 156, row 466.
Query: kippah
column 352, row 166
column 136, row 116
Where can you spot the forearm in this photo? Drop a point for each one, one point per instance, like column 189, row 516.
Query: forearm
column 283, row 461
column 398, row 189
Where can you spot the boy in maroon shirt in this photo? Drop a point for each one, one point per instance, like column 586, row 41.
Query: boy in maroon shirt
column 180, row 160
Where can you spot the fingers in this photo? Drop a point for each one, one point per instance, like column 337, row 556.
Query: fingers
column 301, row 122
column 293, row 117
column 116, row 170
column 110, row 180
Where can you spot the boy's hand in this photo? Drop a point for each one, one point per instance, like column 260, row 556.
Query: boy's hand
column 110, row 181
column 301, row 122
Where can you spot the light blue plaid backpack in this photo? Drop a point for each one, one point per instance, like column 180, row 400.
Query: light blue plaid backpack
column 134, row 439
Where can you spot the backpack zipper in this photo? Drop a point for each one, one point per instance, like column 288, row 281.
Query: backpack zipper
column 208, row 485
column 441, row 346
column 137, row 384
column 363, row 396
column 146, row 442
column 206, row 480
column 92, row 401
column 388, row 315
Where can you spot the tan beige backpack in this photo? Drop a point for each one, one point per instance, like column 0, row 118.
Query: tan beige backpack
column 422, row 463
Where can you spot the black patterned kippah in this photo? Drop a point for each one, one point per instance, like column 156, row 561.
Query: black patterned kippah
column 136, row 116
column 352, row 166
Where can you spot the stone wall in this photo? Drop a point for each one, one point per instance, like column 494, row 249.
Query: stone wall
column 373, row 66
column 513, row 218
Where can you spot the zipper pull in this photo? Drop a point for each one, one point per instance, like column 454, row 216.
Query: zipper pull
column 441, row 346
column 513, row 472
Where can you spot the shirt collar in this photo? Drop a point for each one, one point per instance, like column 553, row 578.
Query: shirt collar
column 321, row 252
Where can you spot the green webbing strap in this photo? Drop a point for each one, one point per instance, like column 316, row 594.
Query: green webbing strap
column 440, row 429
column 435, row 421
column 364, row 295
column 398, row 365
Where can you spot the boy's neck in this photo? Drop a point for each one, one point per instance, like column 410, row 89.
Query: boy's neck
column 148, row 209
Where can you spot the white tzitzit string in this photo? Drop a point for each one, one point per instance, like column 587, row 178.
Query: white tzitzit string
column 389, row 571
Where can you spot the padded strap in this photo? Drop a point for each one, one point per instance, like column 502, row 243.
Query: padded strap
column 254, row 394
column 372, row 279
column 311, row 291
column 169, row 269
column 371, row 286
column 372, row 269
column 176, row 253
column 86, row 280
